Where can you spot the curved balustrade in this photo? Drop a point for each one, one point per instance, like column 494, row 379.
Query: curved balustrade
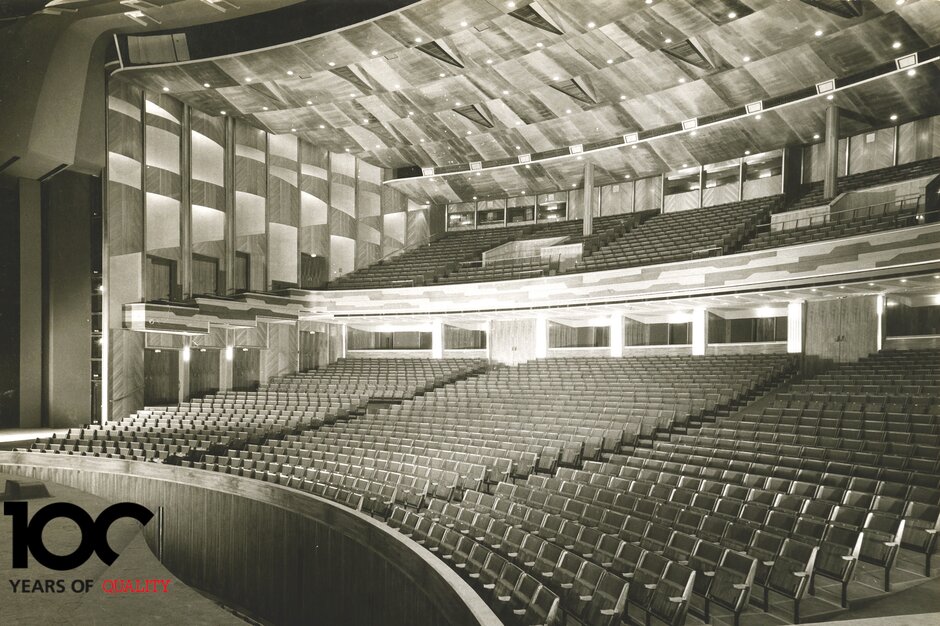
column 278, row 554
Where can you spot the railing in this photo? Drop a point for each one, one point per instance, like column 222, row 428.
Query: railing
column 901, row 212
column 704, row 253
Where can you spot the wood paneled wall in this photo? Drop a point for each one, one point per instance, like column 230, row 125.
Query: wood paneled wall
column 843, row 330
column 512, row 341
column 313, row 561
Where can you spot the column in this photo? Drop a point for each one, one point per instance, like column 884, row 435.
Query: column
column 229, row 186
column 437, row 339
column 588, row 199
column 31, row 344
column 699, row 331
column 830, row 184
column 226, row 365
column 186, row 205
column 541, row 337
column 880, row 312
column 185, row 355
column 616, row 335
column 795, row 312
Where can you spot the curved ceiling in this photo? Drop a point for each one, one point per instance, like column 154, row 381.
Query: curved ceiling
column 446, row 82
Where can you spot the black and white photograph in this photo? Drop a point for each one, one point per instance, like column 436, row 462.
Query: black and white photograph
column 469, row 312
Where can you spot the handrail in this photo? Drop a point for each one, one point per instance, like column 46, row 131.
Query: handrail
column 695, row 253
column 826, row 218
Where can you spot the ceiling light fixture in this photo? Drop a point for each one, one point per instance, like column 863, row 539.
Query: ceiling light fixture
column 463, row 23
column 747, row 152
column 896, row 45
column 815, row 135
column 829, row 97
column 309, row 101
column 540, row 45
column 206, row 85
column 264, row 108
column 441, row 75
column 293, row 130
column 418, row 40
column 505, row 92
column 668, row 40
column 290, row 72
column 911, row 72
column 732, row 15
column 332, row 64
column 322, row 125
column 681, row 80
column 894, row 116
column 818, row 33
column 758, row 116
column 610, row 61
column 591, row 24
column 166, row 89
column 746, row 59
column 221, row 112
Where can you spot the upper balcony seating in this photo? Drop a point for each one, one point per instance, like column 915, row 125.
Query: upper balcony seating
column 683, row 235
column 869, row 219
column 811, row 194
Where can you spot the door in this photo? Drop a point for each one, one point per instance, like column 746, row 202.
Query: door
column 161, row 377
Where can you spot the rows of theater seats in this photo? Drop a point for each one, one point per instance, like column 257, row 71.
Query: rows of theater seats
column 833, row 475
column 710, row 517
column 291, row 403
column 421, row 265
column 643, row 238
column 887, row 216
column 684, row 235
column 604, row 230
column 811, row 194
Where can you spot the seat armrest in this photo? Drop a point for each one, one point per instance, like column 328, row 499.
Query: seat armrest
column 709, row 574
column 740, row 586
column 650, row 586
column 801, row 574
column 769, row 563
column 677, row 599
column 848, row 557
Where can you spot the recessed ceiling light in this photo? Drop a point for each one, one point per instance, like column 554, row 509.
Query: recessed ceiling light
column 352, row 95
column 422, row 140
column 871, row 284
column 894, row 116
column 293, row 130
column 518, row 147
column 623, row 97
column 441, row 75
column 518, row 122
column 221, row 112
column 378, row 145
column 332, row 64
column 813, row 289
column 568, row 111
column 457, row 103
column 732, row 15
column 166, row 89
column 556, row 77
column 746, row 152
column 464, row 23
column 365, row 120
column 264, row 108
column 591, row 24
column 511, row 5
column 418, row 39
column 685, row 165
column 815, row 135
column 309, row 101
column 758, row 116
column 911, row 72
column 290, row 72
column 668, row 40
column 903, row 280
column 694, row 133
column 505, row 92
column 474, row 197
column 540, row 45
column 627, row 176
column 896, row 45
column 574, row 184
column 469, row 132
column 322, row 125
column 681, row 80
column 375, row 52
column 528, row 166
column 899, row 2
column 610, row 61
column 489, row 61
column 649, row 1
column 818, row 33
column 206, row 85
column 633, row 147
column 829, row 97
column 746, row 59
column 411, row 112
column 841, row 286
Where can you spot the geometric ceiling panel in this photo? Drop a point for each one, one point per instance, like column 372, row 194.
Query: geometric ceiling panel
column 842, row 8
column 534, row 15
column 573, row 89
column 474, row 114
column 349, row 74
column 435, row 50
column 689, row 52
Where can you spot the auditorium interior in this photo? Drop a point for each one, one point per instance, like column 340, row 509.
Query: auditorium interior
column 479, row 312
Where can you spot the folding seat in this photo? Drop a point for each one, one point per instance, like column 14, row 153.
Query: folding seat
column 502, row 586
column 670, row 599
column 680, row 546
column 731, row 585
column 547, row 559
column 533, row 604
column 495, row 534
column 880, row 540
column 780, row 522
column 704, row 559
column 606, row 605
column 689, row 521
column 838, row 554
column 921, row 524
column 809, row 530
column 817, row 509
column 633, row 530
column 754, row 514
column 611, row 522
column 656, row 537
column 764, row 548
column 550, row 527
column 790, row 574
column 432, row 541
column 586, row 541
column 848, row 517
column 649, row 571
column 525, row 553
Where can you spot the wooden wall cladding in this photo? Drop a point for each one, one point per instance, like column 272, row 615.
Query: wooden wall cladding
column 512, row 341
column 871, row 151
column 279, row 554
column 125, row 372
